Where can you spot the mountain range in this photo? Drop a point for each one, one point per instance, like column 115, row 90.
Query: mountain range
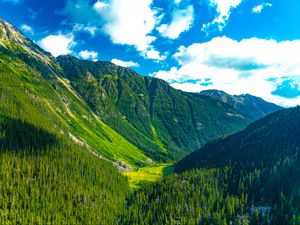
column 102, row 104
column 68, row 125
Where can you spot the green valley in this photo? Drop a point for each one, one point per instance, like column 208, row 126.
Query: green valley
column 85, row 142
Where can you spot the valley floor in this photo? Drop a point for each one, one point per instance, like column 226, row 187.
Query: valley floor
column 148, row 174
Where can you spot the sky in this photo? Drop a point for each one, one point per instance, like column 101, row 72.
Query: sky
column 238, row 46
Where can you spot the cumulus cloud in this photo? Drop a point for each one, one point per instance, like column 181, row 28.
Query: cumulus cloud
column 224, row 9
column 182, row 20
column 258, row 9
column 88, row 55
column 124, row 63
column 254, row 66
column 59, row 44
column 126, row 22
column 26, row 28
column 130, row 22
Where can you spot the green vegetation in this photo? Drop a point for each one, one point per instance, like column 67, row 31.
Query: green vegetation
column 52, row 104
column 251, row 177
column 46, row 181
column 265, row 164
column 164, row 123
column 195, row 197
column 149, row 174
column 63, row 121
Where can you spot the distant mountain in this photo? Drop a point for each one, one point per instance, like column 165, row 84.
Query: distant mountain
column 249, row 105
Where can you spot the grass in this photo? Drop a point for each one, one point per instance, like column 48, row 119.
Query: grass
column 148, row 174
column 157, row 140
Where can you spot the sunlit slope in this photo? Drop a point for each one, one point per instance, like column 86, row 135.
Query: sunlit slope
column 163, row 122
column 32, row 89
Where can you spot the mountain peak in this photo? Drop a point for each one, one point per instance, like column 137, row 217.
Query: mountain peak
column 252, row 106
column 13, row 39
column 9, row 33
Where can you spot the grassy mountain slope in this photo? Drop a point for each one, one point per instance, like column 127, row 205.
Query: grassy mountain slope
column 165, row 123
column 254, row 107
column 37, row 93
column 46, row 178
column 110, row 109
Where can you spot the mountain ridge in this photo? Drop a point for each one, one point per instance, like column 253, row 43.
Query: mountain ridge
column 252, row 106
column 133, row 101
column 147, row 114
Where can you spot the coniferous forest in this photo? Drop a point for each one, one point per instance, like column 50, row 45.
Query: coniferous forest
column 251, row 177
column 45, row 181
column 71, row 130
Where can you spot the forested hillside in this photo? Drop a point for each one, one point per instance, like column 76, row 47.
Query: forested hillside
column 47, row 180
column 251, row 177
column 45, row 177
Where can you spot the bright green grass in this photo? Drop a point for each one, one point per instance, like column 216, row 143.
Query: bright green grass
column 157, row 140
column 148, row 174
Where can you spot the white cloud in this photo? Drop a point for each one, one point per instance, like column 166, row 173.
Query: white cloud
column 88, row 55
column 92, row 30
column 154, row 54
column 126, row 22
column 182, row 20
column 27, row 28
column 223, row 8
column 124, row 63
column 247, row 66
column 258, row 9
column 130, row 22
column 58, row 44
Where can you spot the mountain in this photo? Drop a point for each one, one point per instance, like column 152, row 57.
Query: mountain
column 45, row 176
column 32, row 89
column 251, row 106
column 64, row 122
column 163, row 122
column 265, row 162
column 110, row 109
column 251, row 177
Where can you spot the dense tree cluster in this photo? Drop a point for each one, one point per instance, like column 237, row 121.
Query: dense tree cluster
column 45, row 181
column 195, row 197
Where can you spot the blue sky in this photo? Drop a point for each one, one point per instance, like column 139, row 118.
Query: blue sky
column 239, row 46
